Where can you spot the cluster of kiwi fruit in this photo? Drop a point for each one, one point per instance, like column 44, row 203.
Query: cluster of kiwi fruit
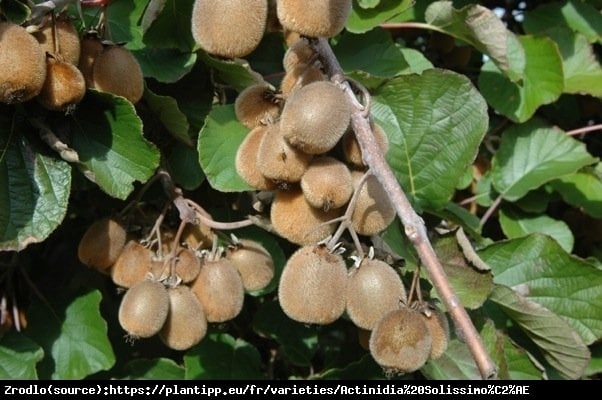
column 50, row 62
column 175, row 288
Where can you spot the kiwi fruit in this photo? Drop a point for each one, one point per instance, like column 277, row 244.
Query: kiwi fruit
column 246, row 160
column 220, row 290
column 296, row 220
column 400, row 342
column 314, row 18
column 300, row 52
column 188, row 265
column 312, row 285
column 257, row 104
column 373, row 289
column 327, row 183
column 229, row 28
column 132, row 265
column 143, row 309
column 373, row 210
column 91, row 48
column 351, row 148
column 64, row 86
column 253, row 262
column 22, row 64
column 117, row 71
column 102, row 243
column 69, row 45
column 186, row 324
column 197, row 236
column 315, row 117
column 438, row 325
column 299, row 76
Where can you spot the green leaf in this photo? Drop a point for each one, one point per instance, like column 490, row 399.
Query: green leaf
column 171, row 28
column 15, row 11
column 124, row 23
column 218, row 142
column 435, row 123
column 368, row 3
column 567, row 286
column 107, row 135
column 561, row 345
column 235, row 73
column 159, row 368
column 19, row 357
column 165, row 108
column 34, row 188
column 417, row 62
column 221, row 356
column 516, row 224
column 363, row 19
column 532, row 154
column 457, row 363
column 182, row 162
column 595, row 366
column 164, row 65
column 582, row 189
column 363, row 369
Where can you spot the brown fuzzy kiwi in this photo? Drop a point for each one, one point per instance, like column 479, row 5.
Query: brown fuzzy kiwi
column 229, row 28
column 351, row 148
column 257, row 104
column 143, row 309
column 186, row 324
column 197, row 236
column 374, row 289
column 314, row 17
column 400, row 342
column 188, row 265
column 253, row 262
column 296, row 220
column 117, row 71
column 102, row 243
column 438, row 326
column 299, row 76
column 246, row 160
column 69, row 45
column 373, row 210
column 327, row 183
column 64, row 86
column 299, row 53
column 220, row 290
column 279, row 161
column 133, row 265
column 315, row 117
column 91, row 48
column 22, row 64
column 312, row 286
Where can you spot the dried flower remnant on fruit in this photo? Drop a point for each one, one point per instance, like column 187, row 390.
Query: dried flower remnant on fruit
column 143, row 309
column 314, row 18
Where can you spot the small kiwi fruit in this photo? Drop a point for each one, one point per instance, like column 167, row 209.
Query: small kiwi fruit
column 143, row 309
column 220, row 290
column 312, row 285
column 102, row 243
column 327, row 183
column 438, row 326
column 253, row 262
column 91, row 48
column 296, row 220
column 314, row 18
column 22, row 64
column 64, row 86
column 299, row 53
column 186, row 324
column 299, row 76
column 373, row 210
column 400, row 342
column 188, row 265
column 229, row 28
column 117, row 71
column 132, row 265
column 257, row 104
column 69, row 45
column 351, row 148
column 373, row 289
column 315, row 117
column 246, row 160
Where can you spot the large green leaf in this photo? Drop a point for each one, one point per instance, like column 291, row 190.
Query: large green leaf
column 159, row 368
column 165, row 108
column 542, row 81
column 123, row 21
column 235, row 73
column 218, row 142
column 221, row 356
column 171, row 28
column 18, row 357
column 457, row 363
column 435, row 123
column 582, row 189
column 362, row 19
column 182, row 163
column 164, row 65
column 34, row 188
column 537, row 266
column 363, row 369
column 107, row 135
column 532, row 154
column 561, row 346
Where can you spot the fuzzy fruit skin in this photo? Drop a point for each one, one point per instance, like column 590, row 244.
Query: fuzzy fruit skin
column 253, row 262
column 64, row 86
column 327, row 183
column 69, row 42
column 132, row 265
column 117, row 71
column 314, row 17
column 91, row 48
column 22, row 64
column 315, row 117
column 186, row 324
column 246, row 160
column 188, row 265
column 299, row 53
column 256, row 105
column 102, row 243
column 229, row 28
column 438, row 326
column 312, row 286
column 351, row 147
column 144, row 309
column 373, row 211
column 400, row 341
column 299, row 76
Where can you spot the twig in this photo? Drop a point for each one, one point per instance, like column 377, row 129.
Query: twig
column 414, row 226
column 586, row 129
column 491, row 210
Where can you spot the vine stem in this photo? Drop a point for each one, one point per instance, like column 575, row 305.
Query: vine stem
column 586, row 129
column 414, row 226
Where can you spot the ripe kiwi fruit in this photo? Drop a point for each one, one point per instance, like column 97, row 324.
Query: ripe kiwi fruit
column 351, row 148
column 400, row 342
column 327, row 183
column 299, row 53
column 186, row 324
column 314, row 17
column 438, row 326
column 64, row 86
column 22, row 64
column 373, row 289
column 91, row 48
column 229, row 28
column 102, row 243
column 246, row 160
column 69, row 45
column 188, row 265
column 296, row 220
column 257, row 104
column 117, row 71
column 143, row 309
column 299, row 76
column 373, row 210
column 132, row 265
column 220, row 290
column 253, row 262
column 312, row 285
column 315, row 117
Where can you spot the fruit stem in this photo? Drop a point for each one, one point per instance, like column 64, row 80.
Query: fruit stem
column 415, row 229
